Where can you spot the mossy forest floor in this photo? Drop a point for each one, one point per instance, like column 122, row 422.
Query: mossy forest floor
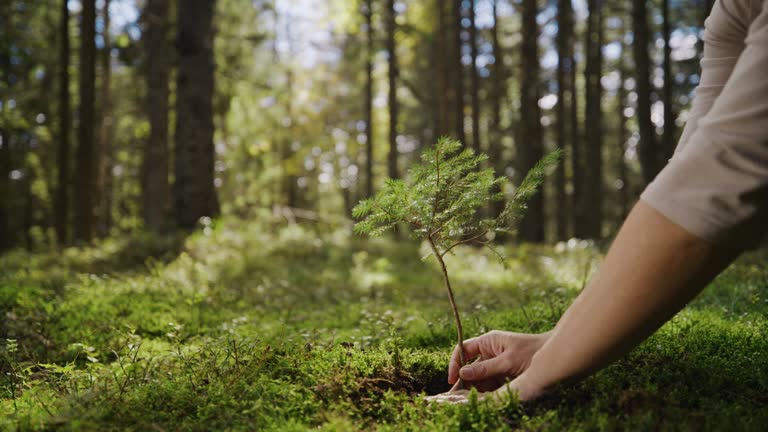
column 258, row 326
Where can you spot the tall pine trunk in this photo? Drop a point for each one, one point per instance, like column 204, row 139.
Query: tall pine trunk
column 449, row 74
column 393, row 74
column 593, row 145
column 564, row 98
column 104, row 147
column 290, row 180
column 442, row 85
column 368, row 15
column 155, row 187
column 29, row 204
column 288, row 193
column 669, row 108
column 62, row 191
column 649, row 154
column 579, row 210
column 621, row 166
column 194, row 192
column 85, row 179
column 529, row 146
column 458, row 73
column 38, row 211
column 495, row 153
column 6, row 240
column 475, row 80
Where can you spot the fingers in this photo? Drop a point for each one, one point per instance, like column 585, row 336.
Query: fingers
column 501, row 395
column 459, row 396
column 471, row 349
column 485, row 369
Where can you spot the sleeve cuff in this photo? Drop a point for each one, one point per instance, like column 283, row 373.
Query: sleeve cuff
column 712, row 195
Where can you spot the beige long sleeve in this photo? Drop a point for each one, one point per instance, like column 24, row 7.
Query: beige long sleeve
column 716, row 185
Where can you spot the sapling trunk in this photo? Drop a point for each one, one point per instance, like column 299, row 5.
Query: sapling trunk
column 456, row 317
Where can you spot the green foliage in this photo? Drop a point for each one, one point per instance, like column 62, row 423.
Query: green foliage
column 528, row 188
column 443, row 203
column 445, row 196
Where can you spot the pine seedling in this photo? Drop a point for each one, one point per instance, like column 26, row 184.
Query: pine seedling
column 442, row 203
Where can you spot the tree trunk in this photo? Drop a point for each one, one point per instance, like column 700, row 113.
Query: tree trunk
column 499, row 89
column 529, row 146
column 669, row 108
column 458, row 71
column 103, row 175
column 28, row 205
column 155, row 186
column 290, row 188
column 449, row 71
column 5, row 191
column 368, row 13
column 194, row 192
column 578, row 205
column 7, row 233
column 85, row 180
column 393, row 76
column 288, row 193
column 593, row 173
column 37, row 211
column 5, row 142
column 62, row 191
column 622, row 137
column 5, row 237
column 564, row 97
column 648, row 152
column 476, row 145
column 442, row 86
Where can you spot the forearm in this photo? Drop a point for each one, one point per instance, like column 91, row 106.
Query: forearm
column 652, row 270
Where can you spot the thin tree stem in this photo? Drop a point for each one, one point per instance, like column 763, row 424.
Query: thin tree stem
column 468, row 240
column 459, row 331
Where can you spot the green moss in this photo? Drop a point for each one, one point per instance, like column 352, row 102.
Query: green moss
column 246, row 330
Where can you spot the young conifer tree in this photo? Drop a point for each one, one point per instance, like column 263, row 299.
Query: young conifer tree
column 442, row 202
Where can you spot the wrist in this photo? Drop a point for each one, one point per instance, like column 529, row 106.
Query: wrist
column 526, row 387
column 542, row 338
column 534, row 381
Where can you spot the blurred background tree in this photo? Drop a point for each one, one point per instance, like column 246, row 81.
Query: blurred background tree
column 118, row 116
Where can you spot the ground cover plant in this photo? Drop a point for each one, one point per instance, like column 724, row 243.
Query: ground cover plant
column 257, row 325
column 442, row 203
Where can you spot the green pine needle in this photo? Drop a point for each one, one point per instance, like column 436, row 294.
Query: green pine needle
column 444, row 198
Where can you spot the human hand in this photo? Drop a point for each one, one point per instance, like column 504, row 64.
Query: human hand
column 500, row 356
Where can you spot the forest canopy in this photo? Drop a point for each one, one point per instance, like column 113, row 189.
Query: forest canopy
column 125, row 115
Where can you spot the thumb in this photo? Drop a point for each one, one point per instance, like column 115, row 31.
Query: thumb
column 483, row 369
